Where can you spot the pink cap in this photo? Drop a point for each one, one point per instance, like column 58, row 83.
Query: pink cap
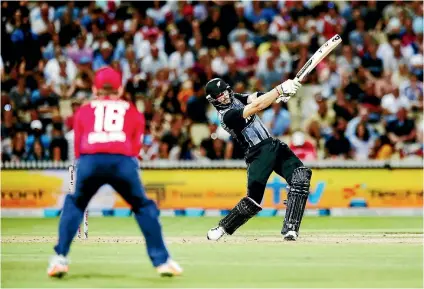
column 152, row 32
column 107, row 76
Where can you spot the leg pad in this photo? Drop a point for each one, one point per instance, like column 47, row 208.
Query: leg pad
column 297, row 198
column 239, row 215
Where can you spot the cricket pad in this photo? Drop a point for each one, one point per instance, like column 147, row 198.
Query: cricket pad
column 239, row 215
column 297, row 197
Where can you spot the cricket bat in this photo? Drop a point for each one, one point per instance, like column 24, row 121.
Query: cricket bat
column 319, row 55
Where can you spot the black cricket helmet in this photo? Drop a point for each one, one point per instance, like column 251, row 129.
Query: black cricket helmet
column 219, row 93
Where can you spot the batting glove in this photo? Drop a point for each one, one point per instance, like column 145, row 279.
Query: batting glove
column 287, row 89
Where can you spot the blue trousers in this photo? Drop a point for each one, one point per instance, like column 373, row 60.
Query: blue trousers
column 122, row 173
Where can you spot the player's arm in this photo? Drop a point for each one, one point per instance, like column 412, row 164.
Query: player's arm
column 246, row 98
column 286, row 89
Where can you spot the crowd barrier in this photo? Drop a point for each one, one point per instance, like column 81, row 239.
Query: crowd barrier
column 212, row 188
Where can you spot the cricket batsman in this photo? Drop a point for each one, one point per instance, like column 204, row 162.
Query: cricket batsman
column 263, row 154
column 108, row 133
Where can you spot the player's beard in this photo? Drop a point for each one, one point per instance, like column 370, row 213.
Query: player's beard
column 224, row 98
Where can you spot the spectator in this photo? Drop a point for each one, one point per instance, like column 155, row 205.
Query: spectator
column 347, row 62
column 400, row 75
column 213, row 29
column 154, row 62
column 213, row 149
column 219, row 64
column 418, row 21
column 373, row 15
column 277, row 120
column 49, row 50
column 136, row 84
column 183, row 152
column 151, row 37
column 58, row 145
column 356, row 37
column 402, row 129
column 81, row 86
column 241, row 22
column 158, row 11
column 61, row 83
column 42, row 20
column 20, row 95
column 279, row 25
column 46, row 104
column 413, row 90
column 320, row 123
column 79, row 50
column 416, row 63
column 392, row 102
column 181, row 60
column 233, row 75
column 18, row 147
column 383, row 149
column 196, row 43
column 333, row 79
column 269, row 75
column 69, row 7
column 175, row 135
column 36, row 133
column 361, row 142
column 197, row 104
column 104, row 57
column 371, row 62
column 254, row 12
column 371, row 101
column 304, row 149
column 37, row 152
column 69, row 122
column 69, row 29
column 184, row 25
column 363, row 117
column 251, row 59
column 238, row 40
column 52, row 68
column 150, row 149
column 6, row 149
column 343, row 107
column 354, row 16
column 408, row 35
column 391, row 54
column 163, row 150
column 206, row 145
column 170, row 103
column 126, row 63
column 8, row 119
column 338, row 146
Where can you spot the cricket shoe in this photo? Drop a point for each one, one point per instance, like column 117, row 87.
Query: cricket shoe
column 169, row 269
column 290, row 236
column 216, row 233
column 58, row 266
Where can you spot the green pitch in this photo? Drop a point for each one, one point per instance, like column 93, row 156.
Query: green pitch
column 332, row 252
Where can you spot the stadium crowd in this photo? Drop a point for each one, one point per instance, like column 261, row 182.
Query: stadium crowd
column 364, row 101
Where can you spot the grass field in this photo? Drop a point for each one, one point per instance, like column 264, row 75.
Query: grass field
column 332, row 252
